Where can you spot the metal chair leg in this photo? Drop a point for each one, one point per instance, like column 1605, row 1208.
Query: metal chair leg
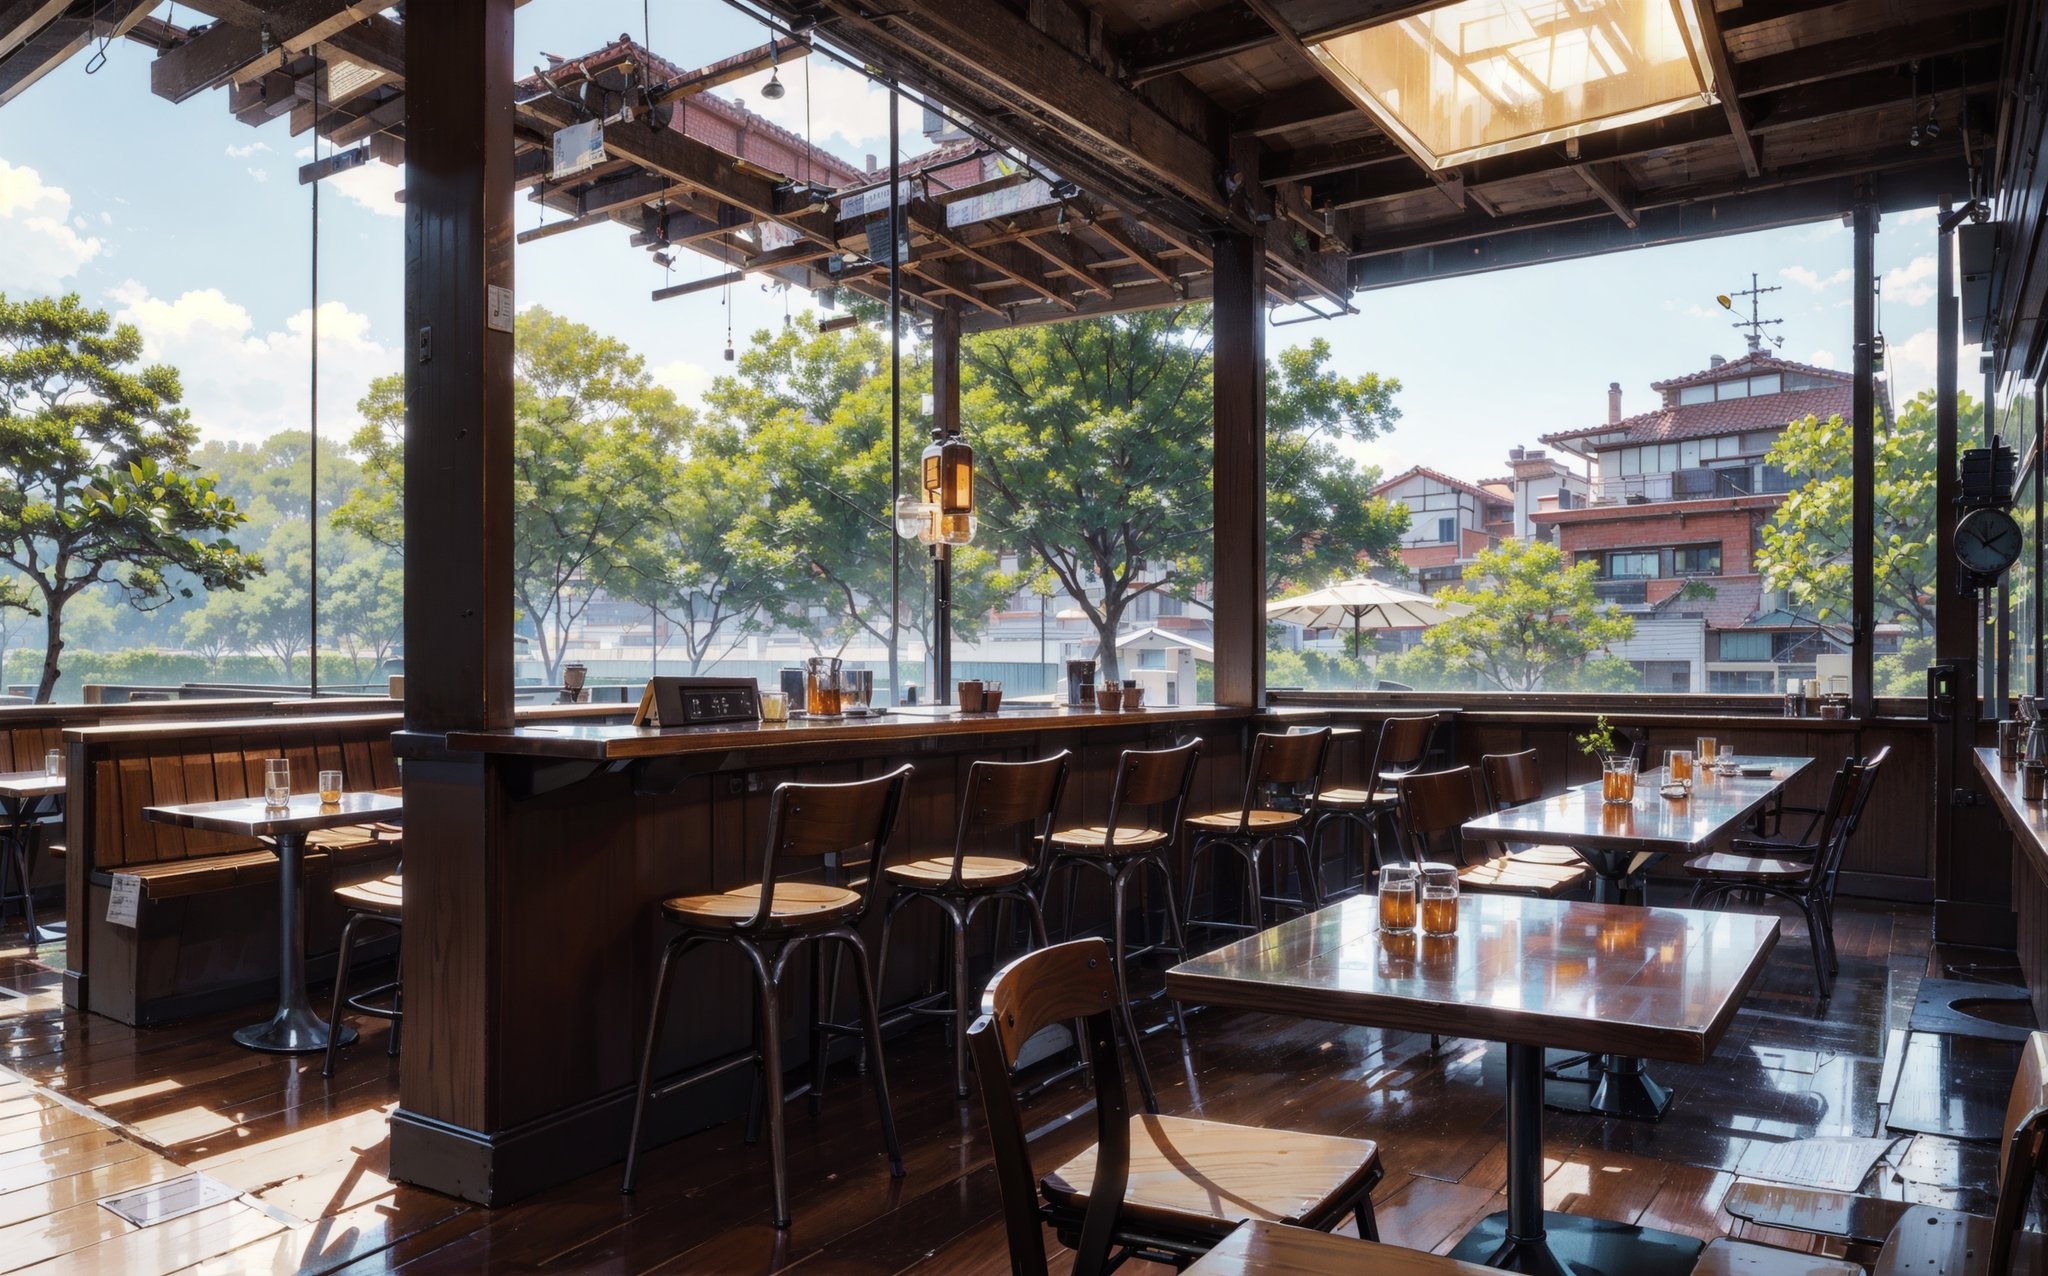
column 656, row 1016
column 771, row 1075
column 1368, row 1224
column 1123, row 983
column 1176, row 924
column 821, row 1042
column 877, row 1074
column 960, row 999
column 341, row 961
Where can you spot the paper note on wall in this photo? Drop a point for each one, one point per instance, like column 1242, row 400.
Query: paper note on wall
column 124, row 899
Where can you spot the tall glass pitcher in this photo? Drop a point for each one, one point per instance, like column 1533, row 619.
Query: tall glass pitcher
column 822, row 687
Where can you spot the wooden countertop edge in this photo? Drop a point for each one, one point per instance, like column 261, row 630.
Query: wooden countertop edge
column 2007, row 793
column 528, row 742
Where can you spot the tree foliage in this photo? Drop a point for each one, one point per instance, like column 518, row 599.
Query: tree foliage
column 1094, row 446
column 1806, row 547
column 1534, row 625
column 96, row 481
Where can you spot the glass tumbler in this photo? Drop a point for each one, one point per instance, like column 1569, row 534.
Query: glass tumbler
column 1399, row 886
column 277, row 782
column 53, row 763
column 330, row 788
column 1440, row 901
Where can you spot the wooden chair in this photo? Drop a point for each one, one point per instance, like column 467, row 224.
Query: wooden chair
column 1925, row 1241
column 1754, row 868
column 1402, row 749
column 1284, row 768
column 1005, row 801
column 1259, row 1248
column 1162, row 1188
column 771, row 923
column 379, row 902
column 1516, row 779
column 1435, row 807
column 1152, row 784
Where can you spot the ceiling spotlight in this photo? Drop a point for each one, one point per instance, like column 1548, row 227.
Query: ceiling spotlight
column 773, row 90
column 663, row 260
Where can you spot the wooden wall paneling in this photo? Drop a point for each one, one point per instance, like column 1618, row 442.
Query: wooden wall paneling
column 137, row 841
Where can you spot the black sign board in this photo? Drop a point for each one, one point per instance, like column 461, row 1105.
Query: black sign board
column 695, row 702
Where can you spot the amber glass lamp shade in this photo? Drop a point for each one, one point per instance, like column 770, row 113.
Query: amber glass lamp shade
column 947, row 470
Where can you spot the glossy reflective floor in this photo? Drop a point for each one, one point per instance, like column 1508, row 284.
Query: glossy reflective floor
column 311, row 1154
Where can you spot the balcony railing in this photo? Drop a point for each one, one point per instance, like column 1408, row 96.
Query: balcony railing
column 1625, row 592
column 1698, row 484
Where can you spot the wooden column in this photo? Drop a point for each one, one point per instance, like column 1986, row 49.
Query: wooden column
column 1240, row 470
column 458, row 584
column 1863, row 486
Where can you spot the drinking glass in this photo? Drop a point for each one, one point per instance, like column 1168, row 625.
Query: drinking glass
column 1440, row 901
column 856, row 690
column 774, row 706
column 53, row 763
column 1678, row 767
column 1399, row 884
column 992, row 695
column 1618, row 779
column 1704, row 748
column 330, row 788
column 277, row 782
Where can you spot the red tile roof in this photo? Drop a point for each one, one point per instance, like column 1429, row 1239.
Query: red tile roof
column 1757, row 362
column 1722, row 416
column 1735, row 600
column 1425, row 472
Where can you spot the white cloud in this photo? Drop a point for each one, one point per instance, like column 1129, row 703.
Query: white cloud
column 688, row 380
column 1697, row 311
column 1915, row 217
column 43, row 249
column 1806, row 278
column 1822, row 358
column 1909, row 364
column 844, row 104
column 244, row 384
column 1911, row 284
column 259, row 174
column 244, row 152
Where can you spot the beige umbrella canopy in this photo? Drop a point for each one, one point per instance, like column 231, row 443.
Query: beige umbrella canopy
column 1363, row 604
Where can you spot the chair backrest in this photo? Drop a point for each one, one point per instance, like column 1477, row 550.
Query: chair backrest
column 1435, row 806
column 1403, row 746
column 1151, row 778
column 1834, row 843
column 1291, row 763
column 2024, row 1154
column 812, row 821
column 1071, row 982
column 1019, row 799
column 1511, row 778
column 1838, row 819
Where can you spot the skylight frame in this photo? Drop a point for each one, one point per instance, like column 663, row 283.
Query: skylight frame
column 1693, row 32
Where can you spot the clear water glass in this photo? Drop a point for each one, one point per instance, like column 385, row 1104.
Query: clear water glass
column 277, row 782
column 53, row 763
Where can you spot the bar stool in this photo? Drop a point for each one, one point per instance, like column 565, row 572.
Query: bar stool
column 1282, row 767
column 770, row 923
column 1017, row 801
column 1147, row 781
column 1516, row 779
column 1402, row 749
column 379, row 902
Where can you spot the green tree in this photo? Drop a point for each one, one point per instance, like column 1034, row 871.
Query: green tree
column 1805, row 548
column 1534, row 625
column 363, row 608
column 96, row 480
column 593, row 453
column 1094, row 443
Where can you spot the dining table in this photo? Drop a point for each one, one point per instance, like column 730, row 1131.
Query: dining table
column 1532, row 974
column 1619, row 842
column 295, row 1027
column 27, row 799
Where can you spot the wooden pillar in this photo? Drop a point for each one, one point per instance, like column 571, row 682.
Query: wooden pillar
column 458, row 583
column 945, row 420
column 1863, row 485
column 1240, row 469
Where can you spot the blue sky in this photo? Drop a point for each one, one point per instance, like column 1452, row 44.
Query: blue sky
column 193, row 226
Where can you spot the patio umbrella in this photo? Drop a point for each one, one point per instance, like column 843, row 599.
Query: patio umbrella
column 1367, row 604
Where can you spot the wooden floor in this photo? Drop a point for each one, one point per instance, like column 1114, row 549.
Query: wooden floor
column 100, row 1106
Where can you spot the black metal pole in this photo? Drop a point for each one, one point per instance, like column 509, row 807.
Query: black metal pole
column 313, row 431
column 895, row 387
column 1863, row 466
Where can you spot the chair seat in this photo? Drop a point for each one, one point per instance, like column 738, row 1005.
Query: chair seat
column 1205, row 1177
column 382, row 896
column 1937, row 1242
column 795, row 906
column 977, row 872
column 1094, row 838
column 1260, row 821
column 1552, row 855
column 1749, row 868
column 1506, row 877
column 1348, row 799
column 1273, row 1250
column 1726, row 1257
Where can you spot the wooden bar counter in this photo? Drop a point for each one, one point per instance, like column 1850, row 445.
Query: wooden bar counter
column 2028, row 822
column 530, row 951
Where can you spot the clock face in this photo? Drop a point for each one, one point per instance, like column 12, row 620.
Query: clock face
column 1988, row 541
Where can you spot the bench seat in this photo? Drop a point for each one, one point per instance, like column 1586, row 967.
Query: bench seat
column 337, row 850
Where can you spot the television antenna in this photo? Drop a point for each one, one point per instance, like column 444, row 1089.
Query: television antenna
column 1755, row 324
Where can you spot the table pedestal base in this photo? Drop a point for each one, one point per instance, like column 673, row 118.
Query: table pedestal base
column 1607, row 1085
column 1575, row 1246
column 299, row 1030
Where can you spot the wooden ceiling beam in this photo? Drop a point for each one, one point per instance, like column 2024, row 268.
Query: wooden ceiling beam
column 1303, row 163
column 375, row 41
column 737, row 67
column 1003, row 259
column 1716, row 49
column 1154, row 296
column 45, row 47
column 1609, row 183
column 20, row 19
column 1062, row 252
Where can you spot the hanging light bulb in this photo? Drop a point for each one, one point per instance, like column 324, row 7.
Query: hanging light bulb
column 728, row 350
column 773, row 90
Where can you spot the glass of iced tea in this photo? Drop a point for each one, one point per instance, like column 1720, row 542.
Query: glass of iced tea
column 1440, row 901
column 330, row 788
column 1399, row 886
column 1703, row 750
column 1618, row 779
